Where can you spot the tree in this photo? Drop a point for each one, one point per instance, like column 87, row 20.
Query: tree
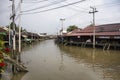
column 16, row 27
column 24, row 30
column 11, row 26
column 71, row 28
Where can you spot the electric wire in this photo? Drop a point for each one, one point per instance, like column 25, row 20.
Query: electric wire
column 100, row 20
column 83, row 11
column 70, row 7
column 54, row 3
column 73, row 15
column 77, row 6
column 18, row 6
column 36, row 1
column 73, row 8
column 106, row 5
column 17, row 17
column 56, row 7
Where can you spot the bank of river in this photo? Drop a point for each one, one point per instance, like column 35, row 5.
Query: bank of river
column 48, row 61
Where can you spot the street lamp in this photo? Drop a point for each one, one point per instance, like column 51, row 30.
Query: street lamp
column 62, row 19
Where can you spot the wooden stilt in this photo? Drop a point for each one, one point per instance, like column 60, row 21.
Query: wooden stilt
column 108, row 46
column 104, row 46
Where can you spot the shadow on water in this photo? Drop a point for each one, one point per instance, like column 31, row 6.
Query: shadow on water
column 106, row 61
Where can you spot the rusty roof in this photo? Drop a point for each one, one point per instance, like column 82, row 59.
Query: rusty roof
column 107, row 29
column 100, row 33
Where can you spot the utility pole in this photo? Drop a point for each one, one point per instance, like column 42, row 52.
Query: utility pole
column 93, row 12
column 13, row 37
column 13, row 21
column 62, row 24
column 9, row 35
column 19, row 54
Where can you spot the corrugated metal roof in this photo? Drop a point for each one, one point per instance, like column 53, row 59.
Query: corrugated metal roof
column 98, row 34
column 107, row 29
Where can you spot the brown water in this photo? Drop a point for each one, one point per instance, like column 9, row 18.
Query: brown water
column 48, row 61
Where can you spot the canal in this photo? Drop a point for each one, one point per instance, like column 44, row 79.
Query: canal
column 49, row 61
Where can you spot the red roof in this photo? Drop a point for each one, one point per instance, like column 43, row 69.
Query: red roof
column 100, row 33
column 76, row 30
column 104, row 30
column 109, row 27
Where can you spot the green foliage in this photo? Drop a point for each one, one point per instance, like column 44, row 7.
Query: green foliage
column 11, row 26
column 71, row 28
column 24, row 30
column 1, row 37
column 1, row 44
column 16, row 27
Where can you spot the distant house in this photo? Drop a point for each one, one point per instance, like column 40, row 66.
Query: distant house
column 43, row 34
column 3, row 31
column 103, row 33
column 30, row 35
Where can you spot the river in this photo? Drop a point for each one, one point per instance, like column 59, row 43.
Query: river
column 49, row 61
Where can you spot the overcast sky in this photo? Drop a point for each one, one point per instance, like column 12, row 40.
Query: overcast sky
column 49, row 21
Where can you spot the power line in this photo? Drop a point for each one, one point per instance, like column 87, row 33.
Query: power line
column 18, row 6
column 78, row 10
column 17, row 16
column 117, row 18
column 73, row 15
column 75, row 8
column 54, row 3
column 57, row 7
column 100, row 6
column 36, row 1
column 108, row 5
column 109, row 18
column 78, row 7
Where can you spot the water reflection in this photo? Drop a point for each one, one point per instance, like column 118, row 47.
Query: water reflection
column 61, row 68
column 18, row 76
column 48, row 61
column 96, row 59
